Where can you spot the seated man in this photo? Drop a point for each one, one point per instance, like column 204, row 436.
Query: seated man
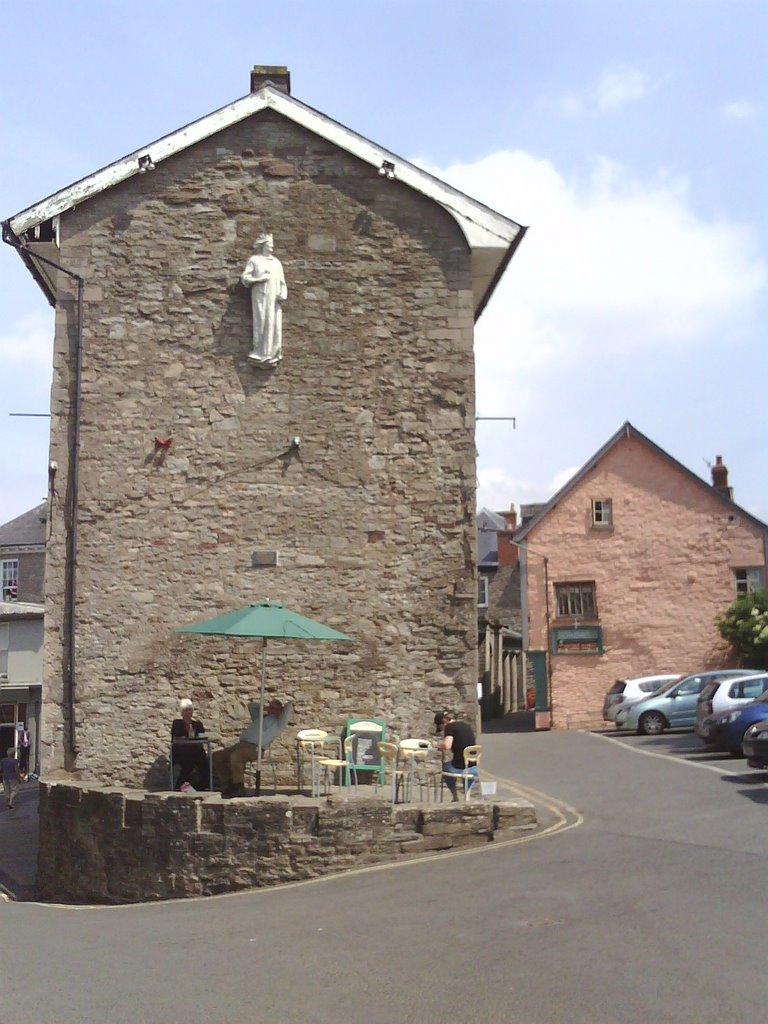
column 190, row 758
column 456, row 736
column 229, row 763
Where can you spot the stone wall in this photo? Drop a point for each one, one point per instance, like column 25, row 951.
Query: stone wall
column 31, row 575
column 372, row 516
column 663, row 573
column 112, row 846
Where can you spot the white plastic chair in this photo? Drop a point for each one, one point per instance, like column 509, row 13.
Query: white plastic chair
column 307, row 743
column 342, row 765
column 472, row 755
column 390, row 763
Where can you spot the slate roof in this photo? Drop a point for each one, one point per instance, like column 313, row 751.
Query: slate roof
column 27, row 529
column 487, row 544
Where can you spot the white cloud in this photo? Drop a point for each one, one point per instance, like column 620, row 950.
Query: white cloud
column 572, row 105
column 614, row 262
column 619, row 86
column 615, row 268
column 614, row 88
column 738, row 110
column 561, row 478
column 497, row 488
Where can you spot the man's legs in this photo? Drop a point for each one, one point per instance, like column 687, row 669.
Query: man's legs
column 10, row 792
column 222, row 771
column 242, row 754
column 449, row 769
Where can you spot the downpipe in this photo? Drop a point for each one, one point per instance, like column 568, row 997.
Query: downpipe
column 73, row 478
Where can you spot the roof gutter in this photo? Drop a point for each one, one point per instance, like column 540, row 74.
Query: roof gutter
column 28, row 258
column 70, row 586
column 499, row 271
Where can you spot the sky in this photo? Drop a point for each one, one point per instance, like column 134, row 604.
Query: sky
column 627, row 135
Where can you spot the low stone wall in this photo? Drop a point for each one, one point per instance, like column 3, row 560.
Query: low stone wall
column 100, row 845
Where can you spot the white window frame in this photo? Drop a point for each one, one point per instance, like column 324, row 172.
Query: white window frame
column 9, row 577
column 748, row 580
column 482, row 590
column 602, row 512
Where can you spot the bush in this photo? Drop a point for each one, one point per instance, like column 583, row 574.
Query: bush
column 745, row 627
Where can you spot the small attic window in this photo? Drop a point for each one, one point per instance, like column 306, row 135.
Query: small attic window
column 602, row 512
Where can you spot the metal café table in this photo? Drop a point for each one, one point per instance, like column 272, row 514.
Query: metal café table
column 415, row 754
column 200, row 741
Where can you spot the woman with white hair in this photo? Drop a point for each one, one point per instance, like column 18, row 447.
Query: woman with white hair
column 190, row 758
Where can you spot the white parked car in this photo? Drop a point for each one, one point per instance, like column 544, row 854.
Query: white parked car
column 626, row 691
column 726, row 694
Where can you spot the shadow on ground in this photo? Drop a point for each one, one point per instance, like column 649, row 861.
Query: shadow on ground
column 516, row 721
column 18, row 844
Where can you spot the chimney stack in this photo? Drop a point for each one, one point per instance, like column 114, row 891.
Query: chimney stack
column 508, row 554
column 277, row 76
column 720, row 478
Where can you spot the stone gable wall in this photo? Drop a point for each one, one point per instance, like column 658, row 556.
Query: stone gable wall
column 111, row 846
column 373, row 516
column 663, row 573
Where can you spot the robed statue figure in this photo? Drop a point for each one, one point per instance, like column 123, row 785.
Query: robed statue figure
column 263, row 274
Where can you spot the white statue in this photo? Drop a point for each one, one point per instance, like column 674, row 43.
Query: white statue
column 263, row 274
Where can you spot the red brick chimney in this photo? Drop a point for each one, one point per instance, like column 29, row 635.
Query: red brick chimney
column 508, row 553
column 270, row 74
column 720, row 478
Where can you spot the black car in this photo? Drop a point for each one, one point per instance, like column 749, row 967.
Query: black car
column 755, row 745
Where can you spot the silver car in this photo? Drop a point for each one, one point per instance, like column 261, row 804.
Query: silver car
column 673, row 706
column 626, row 691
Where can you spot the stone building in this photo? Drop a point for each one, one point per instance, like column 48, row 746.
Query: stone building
column 192, row 480
column 502, row 678
column 22, row 570
column 629, row 565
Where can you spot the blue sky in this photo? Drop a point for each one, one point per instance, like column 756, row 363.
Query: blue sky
column 629, row 134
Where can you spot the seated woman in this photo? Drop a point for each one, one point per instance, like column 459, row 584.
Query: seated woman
column 190, row 758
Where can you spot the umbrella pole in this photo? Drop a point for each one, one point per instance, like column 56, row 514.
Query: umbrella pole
column 261, row 713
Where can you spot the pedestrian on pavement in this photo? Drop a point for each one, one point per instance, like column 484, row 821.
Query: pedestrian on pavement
column 456, row 737
column 229, row 763
column 9, row 768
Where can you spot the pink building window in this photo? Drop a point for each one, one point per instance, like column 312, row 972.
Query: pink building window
column 576, row 600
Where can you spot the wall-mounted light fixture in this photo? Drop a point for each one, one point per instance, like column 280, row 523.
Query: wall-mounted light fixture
column 387, row 170
column 146, row 163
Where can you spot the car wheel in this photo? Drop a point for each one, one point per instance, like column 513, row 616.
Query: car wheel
column 652, row 723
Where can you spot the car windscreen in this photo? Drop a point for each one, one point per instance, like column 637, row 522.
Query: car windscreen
column 763, row 699
column 668, row 686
